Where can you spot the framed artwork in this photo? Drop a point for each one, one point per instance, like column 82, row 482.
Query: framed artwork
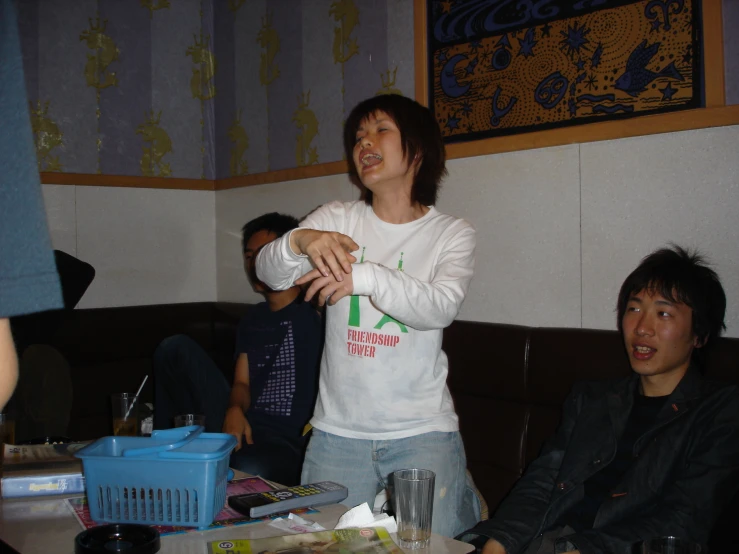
column 504, row 67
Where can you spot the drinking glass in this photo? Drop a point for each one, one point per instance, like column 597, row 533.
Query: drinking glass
column 670, row 545
column 125, row 414
column 413, row 496
column 183, row 420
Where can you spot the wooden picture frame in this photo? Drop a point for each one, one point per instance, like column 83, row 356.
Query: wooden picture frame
column 714, row 114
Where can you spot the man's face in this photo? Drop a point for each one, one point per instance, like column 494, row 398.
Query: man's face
column 658, row 335
column 253, row 246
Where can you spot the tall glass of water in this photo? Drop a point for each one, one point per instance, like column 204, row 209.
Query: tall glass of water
column 413, row 499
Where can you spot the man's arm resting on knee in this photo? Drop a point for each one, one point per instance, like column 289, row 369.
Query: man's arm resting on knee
column 235, row 422
column 8, row 363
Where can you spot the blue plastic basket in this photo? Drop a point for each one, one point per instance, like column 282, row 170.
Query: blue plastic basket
column 175, row 477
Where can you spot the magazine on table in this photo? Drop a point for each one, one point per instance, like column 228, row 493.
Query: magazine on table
column 338, row 541
column 41, row 470
column 28, row 455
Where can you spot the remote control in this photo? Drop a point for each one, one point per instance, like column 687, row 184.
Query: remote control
column 262, row 504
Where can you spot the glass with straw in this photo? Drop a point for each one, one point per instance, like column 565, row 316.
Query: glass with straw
column 125, row 412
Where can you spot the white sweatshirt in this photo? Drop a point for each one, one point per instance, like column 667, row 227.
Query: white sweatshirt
column 383, row 373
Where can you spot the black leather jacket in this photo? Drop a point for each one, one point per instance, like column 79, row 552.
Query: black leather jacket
column 685, row 469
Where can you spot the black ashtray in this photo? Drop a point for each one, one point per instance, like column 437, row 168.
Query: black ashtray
column 118, row 537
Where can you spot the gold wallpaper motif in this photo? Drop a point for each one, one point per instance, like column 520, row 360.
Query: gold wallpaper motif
column 307, row 123
column 159, row 145
column 204, row 70
column 388, row 82
column 234, row 5
column 105, row 53
column 154, row 5
column 47, row 136
column 237, row 135
column 345, row 12
column 269, row 41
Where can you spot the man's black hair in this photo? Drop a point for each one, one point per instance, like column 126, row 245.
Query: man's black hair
column 682, row 276
column 276, row 223
column 419, row 136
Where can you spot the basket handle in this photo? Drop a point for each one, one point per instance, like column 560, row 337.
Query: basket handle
column 191, row 433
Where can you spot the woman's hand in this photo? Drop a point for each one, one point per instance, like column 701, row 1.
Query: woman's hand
column 329, row 290
column 235, row 424
column 330, row 252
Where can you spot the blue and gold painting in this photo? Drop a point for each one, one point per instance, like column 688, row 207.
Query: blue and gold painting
column 502, row 67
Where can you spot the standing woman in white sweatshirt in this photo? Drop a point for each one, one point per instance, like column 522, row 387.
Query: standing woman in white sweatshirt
column 393, row 272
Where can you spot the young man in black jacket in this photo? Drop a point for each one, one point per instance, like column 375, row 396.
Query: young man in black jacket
column 651, row 455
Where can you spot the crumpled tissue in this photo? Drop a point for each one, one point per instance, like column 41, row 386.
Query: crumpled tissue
column 293, row 523
column 362, row 516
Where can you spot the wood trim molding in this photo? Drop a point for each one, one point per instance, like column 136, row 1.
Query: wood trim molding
column 592, row 132
column 419, row 51
column 132, row 181
column 607, row 130
column 713, row 53
column 293, row 174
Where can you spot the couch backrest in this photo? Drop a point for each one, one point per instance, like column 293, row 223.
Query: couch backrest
column 110, row 350
column 509, row 382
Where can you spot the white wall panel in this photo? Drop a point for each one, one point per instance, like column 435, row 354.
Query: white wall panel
column 525, row 208
column 60, row 213
column 148, row 246
column 639, row 194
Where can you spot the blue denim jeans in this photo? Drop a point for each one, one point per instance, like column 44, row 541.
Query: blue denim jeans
column 365, row 468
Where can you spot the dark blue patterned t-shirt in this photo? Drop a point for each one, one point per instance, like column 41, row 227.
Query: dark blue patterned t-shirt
column 283, row 349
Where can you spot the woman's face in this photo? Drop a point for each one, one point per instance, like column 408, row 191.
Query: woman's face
column 378, row 155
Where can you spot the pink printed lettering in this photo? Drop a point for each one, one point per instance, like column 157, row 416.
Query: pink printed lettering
column 361, row 350
column 369, row 337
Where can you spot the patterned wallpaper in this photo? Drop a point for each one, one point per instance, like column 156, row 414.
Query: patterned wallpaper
column 205, row 88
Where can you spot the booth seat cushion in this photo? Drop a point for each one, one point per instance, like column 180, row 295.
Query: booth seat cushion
column 509, row 383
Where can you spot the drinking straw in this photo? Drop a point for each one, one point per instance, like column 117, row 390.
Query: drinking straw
column 136, row 397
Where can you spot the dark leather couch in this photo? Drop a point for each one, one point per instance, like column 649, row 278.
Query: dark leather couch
column 110, row 350
column 508, row 381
